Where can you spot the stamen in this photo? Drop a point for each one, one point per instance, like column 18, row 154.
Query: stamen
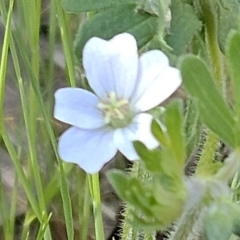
column 102, row 106
column 116, row 111
column 113, row 97
column 119, row 114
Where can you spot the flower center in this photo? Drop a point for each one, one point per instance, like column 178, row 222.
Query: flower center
column 116, row 111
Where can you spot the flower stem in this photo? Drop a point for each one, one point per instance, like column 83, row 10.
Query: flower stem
column 94, row 187
column 86, row 213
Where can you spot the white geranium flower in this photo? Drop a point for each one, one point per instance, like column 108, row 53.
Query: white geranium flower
column 125, row 87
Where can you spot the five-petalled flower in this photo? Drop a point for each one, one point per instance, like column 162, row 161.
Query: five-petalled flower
column 125, row 87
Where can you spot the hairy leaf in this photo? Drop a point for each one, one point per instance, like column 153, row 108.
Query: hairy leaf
column 214, row 111
column 174, row 124
column 151, row 158
column 192, row 127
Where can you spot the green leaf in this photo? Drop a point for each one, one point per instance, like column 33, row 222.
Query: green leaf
column 184, row 25
column 150, row 203
column 174, row 124
column 168, row 160
column 229, row 16
column 236, row 219
column 160, row 9
column 151, row 158
column 150, row 6
column 76, row 6
column 233, row 56
column 214, row 111
column 119, row 181
column 162, row 162
column 149, row 226
column 137, row 193
column 159, row 134
column 171, row 165
column 192, row 127
column 236, row 227
column 123, row 18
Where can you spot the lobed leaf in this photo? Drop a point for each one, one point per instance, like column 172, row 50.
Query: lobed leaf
column 122, row 18
column 228, row 12
column 76, row 6
column 184, row 25
column 151, row 203
column 151, row 158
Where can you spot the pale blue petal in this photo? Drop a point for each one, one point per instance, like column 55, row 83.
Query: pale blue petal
column 138, row 130
column 111, row 65
column 90, row 149
column 141, row 129
column 150, row 65
column 78, row 107
column 156, row 81
column 159, row 90
column 123, row 140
